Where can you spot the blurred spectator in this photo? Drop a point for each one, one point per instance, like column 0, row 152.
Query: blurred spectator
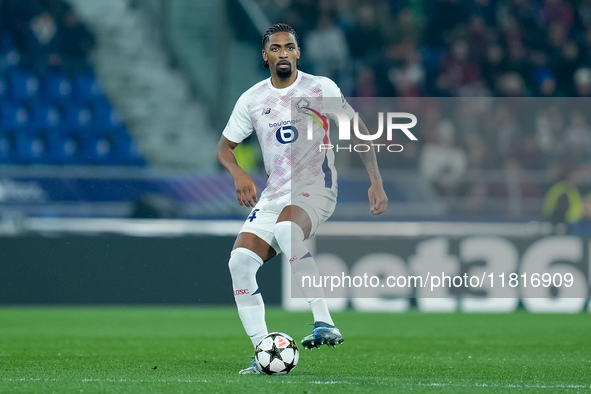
column 502, row 131
column 48, row 35
column 406, row 28
column 408, row 78
column 545, row 83
column 577, row 139
column 302, row 15
column 78, row 42
column 485, row 10
column 515, row 189
column 493, row 64
column 548, row 127
column 443, row 17
column 529, row 155
column 442, row 163
column 17, row 15
column 567, row 66
column 582, row 82
column 556, row 11
column 563, row 203
column 326, row 48
column 458, row 67
column 478, row 154
column 42, row 44
column 247, row 156
column 365, row 39
column 57, row 8
column 513, row 43
column 365, row 85
column 510, row 84
column 479, row 37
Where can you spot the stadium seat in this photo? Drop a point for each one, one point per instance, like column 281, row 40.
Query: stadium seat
column 9, row 55
column 44, row 117
column 57, row 87
column 3, row 89
column 9, row 60
column 125, row 149
column 5, row 147
column 14, row 117
column 87, row 89
column 22, row 86
column 97, row 149
column 64, row 148
column 77, row 117
column 30, row 148
column 106, row 117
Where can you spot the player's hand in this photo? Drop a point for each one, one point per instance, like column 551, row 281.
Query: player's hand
column 378, row 201
column 246, row 190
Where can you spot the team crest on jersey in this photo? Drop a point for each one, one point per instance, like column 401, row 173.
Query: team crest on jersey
column 302, row 105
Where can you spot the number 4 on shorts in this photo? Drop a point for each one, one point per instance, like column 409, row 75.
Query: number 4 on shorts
column 253, row 215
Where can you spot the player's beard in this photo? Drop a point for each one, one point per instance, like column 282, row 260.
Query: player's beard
column 284, row 74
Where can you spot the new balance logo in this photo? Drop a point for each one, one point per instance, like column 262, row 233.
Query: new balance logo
column 266, row 111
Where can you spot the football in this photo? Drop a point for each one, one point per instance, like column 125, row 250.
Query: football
column 277, row 354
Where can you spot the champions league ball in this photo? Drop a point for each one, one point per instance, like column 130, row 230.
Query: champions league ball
column 277, row 354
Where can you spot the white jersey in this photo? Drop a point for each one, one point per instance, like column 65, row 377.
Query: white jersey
column 291, row 158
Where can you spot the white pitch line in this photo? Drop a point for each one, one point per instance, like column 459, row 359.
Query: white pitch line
column 431, row 384
column 523, row 386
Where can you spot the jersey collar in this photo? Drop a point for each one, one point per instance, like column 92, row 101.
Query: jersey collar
column 283, row 90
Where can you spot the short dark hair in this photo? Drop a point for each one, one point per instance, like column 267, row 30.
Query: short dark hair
column 276, row 28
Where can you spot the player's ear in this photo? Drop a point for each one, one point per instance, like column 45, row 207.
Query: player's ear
column 265, row 59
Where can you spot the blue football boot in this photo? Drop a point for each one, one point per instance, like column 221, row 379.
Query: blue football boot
column 323, row 334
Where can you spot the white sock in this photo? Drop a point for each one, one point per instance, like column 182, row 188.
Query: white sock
column 244, row 265
column 290, row 238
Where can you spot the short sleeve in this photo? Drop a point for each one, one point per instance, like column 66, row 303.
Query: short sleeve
column 333, row 98
column 240, row 125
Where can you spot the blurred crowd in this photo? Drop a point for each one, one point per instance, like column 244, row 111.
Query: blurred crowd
column 497, row 154
column 47, row 34
column 442, row 48
column 506, row 49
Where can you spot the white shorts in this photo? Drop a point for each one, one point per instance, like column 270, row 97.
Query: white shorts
column 319, row 204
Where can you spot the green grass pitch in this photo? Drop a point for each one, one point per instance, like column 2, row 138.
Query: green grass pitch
column 185, row 350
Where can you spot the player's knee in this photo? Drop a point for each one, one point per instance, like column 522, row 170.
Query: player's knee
column 244, row 262
column 287, row 231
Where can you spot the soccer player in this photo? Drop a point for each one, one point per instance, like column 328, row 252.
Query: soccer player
column 283, row 218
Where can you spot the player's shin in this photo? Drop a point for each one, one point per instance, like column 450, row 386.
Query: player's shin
column 290, row 238
column 244, row 265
